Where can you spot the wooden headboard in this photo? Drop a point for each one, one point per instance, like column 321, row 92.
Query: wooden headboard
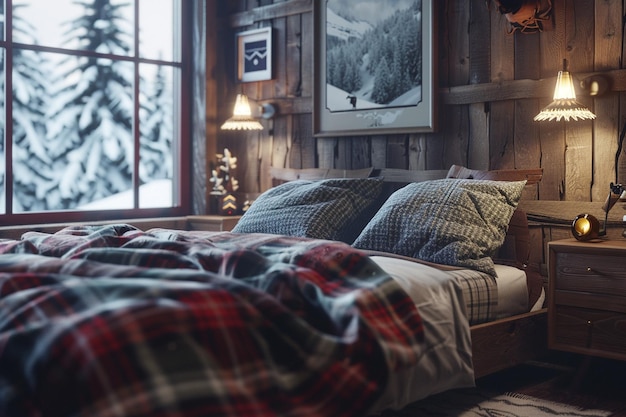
column 532, row 175
column 395, row 178
column 281, row 175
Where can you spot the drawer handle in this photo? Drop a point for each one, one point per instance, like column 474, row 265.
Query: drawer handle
column 589, row 332
column 590, row 270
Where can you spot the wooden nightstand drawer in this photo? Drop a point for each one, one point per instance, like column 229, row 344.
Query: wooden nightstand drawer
column 587, row 297
column 611, row 302
column 592, row 273
column 593, row 330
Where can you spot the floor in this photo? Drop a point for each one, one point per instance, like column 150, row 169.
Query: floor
column 567, row 378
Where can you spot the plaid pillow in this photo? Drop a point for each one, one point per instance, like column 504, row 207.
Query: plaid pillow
column 450, row 221
column 317, row 209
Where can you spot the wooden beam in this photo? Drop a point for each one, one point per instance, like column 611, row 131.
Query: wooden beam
column 272, row 11
column 520, row 89
column 289, row 105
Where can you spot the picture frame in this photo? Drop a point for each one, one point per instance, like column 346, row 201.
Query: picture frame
column 254, row 55
column 408, row 104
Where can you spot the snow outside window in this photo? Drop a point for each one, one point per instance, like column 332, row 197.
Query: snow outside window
column 96, row 87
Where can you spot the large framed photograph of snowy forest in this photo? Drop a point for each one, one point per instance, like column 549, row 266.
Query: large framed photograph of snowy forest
column 374, row 67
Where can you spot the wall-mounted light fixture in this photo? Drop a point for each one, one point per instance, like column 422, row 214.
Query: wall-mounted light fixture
column 564, row 104
column 242, row 118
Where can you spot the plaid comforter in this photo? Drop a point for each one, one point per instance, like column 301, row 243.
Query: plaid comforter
column 113, row 321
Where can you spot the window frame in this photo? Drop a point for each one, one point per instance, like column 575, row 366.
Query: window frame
column 181, row 197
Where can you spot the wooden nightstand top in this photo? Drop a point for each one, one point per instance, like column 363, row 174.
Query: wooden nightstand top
column 573, row 245
column 212, row 222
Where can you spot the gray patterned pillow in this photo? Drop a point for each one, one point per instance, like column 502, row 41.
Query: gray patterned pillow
column 317, row 209
column 450, row 221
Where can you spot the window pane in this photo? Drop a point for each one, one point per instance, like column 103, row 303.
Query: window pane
column 157, row 35
column 158, row 130
column 73, row 135
column 72, row 25
column 31, row 162
column 73, row 145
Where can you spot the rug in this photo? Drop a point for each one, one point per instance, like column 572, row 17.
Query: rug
column 476, row 403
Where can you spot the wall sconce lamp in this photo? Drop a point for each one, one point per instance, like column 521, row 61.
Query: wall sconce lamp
column 564, row 104
column 242, row 115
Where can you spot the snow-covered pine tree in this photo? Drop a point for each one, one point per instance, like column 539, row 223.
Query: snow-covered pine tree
column 90, row 131
column 32, row 176
column 382, row 83
column 157, row 130
column 394, row 46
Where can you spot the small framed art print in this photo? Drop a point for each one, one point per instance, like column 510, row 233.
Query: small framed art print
column 254, row 55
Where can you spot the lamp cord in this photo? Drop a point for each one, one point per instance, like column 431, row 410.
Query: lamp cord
column 620, row 143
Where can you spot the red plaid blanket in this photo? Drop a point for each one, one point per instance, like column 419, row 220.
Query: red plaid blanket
column 115, row 321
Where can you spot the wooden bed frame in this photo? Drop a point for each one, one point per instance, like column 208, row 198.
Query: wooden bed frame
column 496, row 345
column 504, row 343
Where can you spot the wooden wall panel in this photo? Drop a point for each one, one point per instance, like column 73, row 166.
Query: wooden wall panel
column 454, row 123
column 418, row 145
column 502, row 115
column 479, row 72
column 578, row 136
column 379, row 151
column 552, row 135
column 607, row 53
column 491, row 83
column 306, row 157
column 526, row 151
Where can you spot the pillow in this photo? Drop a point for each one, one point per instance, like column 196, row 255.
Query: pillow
column 317, row 209
column 458, row 222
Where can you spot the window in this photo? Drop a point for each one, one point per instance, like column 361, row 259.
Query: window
column 93, row 126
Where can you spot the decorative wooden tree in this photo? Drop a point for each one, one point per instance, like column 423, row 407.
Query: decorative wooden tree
column 222, row 198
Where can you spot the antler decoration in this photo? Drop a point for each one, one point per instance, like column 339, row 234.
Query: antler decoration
column 526, row 16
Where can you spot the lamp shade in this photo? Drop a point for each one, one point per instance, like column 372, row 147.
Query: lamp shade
column 564, row 104
column 242, row 116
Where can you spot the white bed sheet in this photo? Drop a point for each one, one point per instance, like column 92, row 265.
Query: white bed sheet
column 512, row 291
column 446, row 362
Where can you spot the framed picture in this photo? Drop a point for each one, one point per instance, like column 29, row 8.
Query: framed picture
column 374, row 67
column 254, row 55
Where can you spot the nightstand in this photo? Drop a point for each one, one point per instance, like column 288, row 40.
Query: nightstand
column 587, row 297
column 212, row 223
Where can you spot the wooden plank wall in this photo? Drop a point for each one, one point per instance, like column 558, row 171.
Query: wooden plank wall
column 491, row 86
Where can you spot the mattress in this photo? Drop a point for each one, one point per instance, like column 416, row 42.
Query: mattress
column 449, row 300
column 486, row 298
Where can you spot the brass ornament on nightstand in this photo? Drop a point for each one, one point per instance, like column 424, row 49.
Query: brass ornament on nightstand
column 586, row 227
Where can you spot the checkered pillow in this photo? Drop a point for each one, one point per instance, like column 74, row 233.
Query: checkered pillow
column 451, row 221
column 317, row 209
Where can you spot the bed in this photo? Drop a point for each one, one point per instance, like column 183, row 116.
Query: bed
column 114, row 320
